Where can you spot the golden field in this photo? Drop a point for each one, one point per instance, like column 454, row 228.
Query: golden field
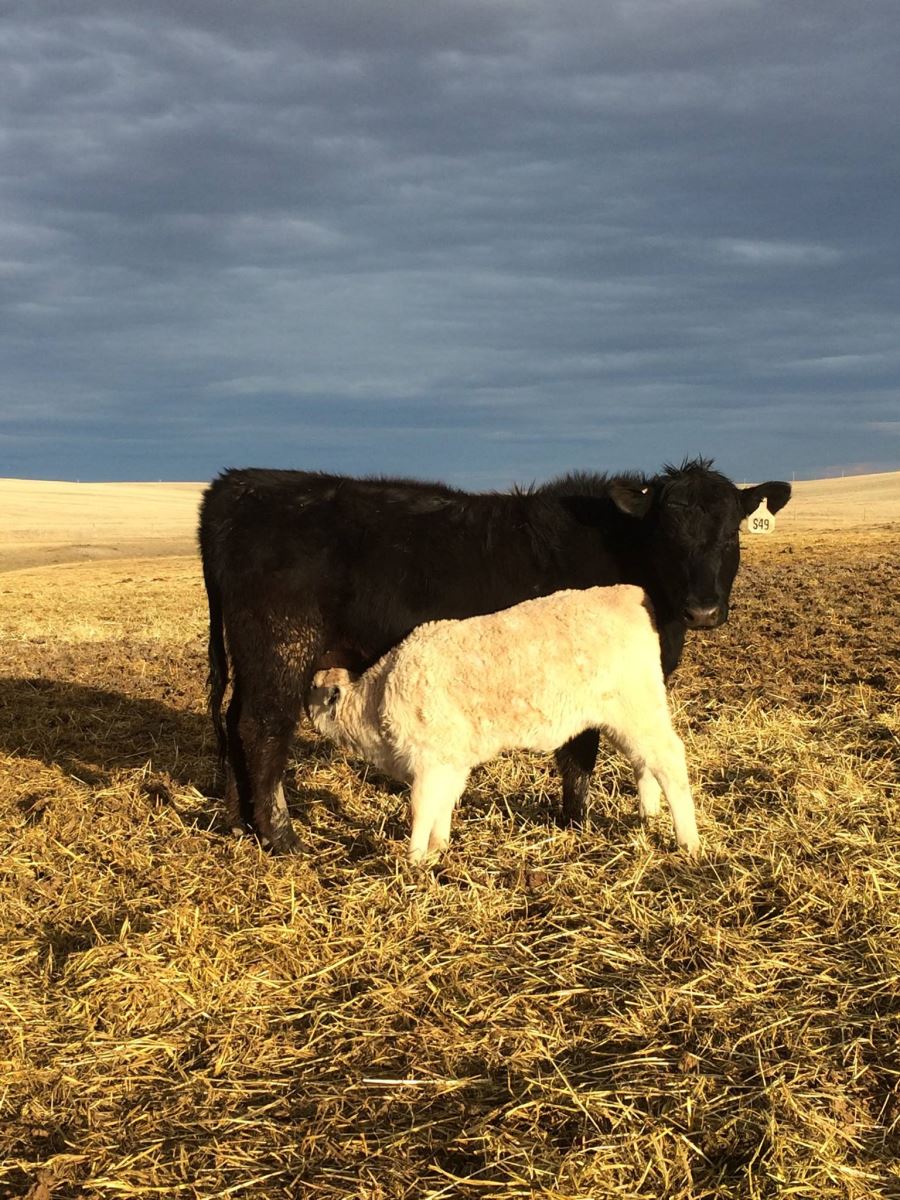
column 48, row 522
column 547, row 1013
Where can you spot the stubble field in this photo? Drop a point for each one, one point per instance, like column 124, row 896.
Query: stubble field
column 547, row 1013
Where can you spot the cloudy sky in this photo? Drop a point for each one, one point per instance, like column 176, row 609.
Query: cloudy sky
column 480, row 241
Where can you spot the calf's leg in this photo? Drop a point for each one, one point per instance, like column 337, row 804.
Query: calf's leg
column 667, row 763
column 576, row 761
column 644, row 731
column 435, row 791
column 649, row 792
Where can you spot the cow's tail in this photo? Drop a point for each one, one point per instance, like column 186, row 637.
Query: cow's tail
column 217, row 680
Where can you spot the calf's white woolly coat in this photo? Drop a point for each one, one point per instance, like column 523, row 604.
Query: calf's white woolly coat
column 454, row 694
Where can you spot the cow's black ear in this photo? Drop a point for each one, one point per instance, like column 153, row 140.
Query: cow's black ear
column 630, row 498
column 775, row 493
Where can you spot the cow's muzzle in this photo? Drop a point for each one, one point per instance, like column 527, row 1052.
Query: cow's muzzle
column 703, row 616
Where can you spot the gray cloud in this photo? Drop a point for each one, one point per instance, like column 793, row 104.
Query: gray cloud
column 480, row 241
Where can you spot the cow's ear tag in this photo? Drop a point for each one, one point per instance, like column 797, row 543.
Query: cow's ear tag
column 761, row 520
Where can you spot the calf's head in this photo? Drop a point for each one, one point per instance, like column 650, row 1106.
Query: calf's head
column 324, row 696
column 687, row 522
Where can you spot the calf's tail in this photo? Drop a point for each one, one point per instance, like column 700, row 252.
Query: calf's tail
column 217, row 680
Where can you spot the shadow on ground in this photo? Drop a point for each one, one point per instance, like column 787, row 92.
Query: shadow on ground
column 90, row 733
column 94, row 734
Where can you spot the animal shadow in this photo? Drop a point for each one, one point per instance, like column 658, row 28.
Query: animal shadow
column 91, row 733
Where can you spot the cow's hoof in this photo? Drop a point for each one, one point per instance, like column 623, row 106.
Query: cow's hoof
column 579, row 822
column 287, row 842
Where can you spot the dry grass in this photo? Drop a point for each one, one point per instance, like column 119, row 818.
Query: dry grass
column 548, row 1013
column 859, row 502
column 48, row 521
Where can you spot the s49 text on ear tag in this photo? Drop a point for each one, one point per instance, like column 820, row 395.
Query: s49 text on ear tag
column 761, row 520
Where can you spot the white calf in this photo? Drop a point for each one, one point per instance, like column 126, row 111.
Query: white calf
column 456, row 693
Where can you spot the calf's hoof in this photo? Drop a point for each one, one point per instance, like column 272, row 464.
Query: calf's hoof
column 425, row 858
column 420, row 858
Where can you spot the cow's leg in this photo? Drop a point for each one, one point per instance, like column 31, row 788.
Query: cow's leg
column 238, row 806
column 273, row 660
column 236, row 822
column 266, row 743
column 576, row 761
column 435, row 791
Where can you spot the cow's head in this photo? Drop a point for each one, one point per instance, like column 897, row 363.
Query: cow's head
column 688, row 520
column 325, row 693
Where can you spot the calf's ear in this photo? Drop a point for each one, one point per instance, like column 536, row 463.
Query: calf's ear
column 775, row 493
column 630, row 498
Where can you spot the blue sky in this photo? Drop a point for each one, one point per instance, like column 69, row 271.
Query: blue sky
column 485, row 242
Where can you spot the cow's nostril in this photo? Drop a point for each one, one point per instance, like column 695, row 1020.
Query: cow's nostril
column 705, row 617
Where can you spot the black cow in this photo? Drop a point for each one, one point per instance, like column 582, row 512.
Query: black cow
column 302, row 565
